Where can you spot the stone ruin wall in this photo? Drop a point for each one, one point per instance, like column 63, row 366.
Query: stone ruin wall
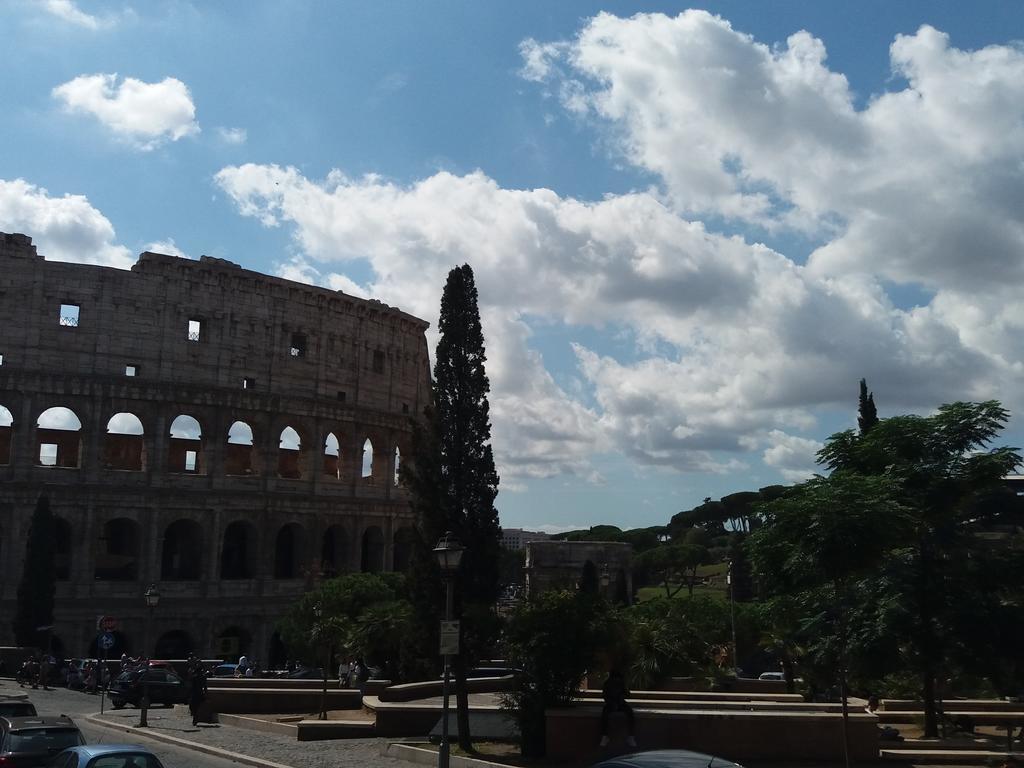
column 156, row 508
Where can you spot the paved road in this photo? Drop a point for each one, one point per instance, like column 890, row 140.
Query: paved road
column 351, row 753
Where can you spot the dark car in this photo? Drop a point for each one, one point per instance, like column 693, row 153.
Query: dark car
column 106, row 756
column 32, row 741
column 666, row 758
column 164, row 688
column 306, row 673
column 17, row 705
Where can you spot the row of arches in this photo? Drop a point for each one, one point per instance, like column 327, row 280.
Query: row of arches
column 58, row 444
column 119, row 552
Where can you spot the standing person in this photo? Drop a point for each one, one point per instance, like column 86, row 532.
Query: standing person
column 197, row 693
column 614, row 692
column 343, row 669
column 243, row 665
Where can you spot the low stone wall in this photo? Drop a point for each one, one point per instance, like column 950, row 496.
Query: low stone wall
column 279, row 700
column 573, row 734
column 431, row 688
column 959, row 705
column 594, row 693
column 734, row 685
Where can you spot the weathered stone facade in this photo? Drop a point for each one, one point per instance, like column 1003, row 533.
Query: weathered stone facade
column 192, row 354
column 565, row 565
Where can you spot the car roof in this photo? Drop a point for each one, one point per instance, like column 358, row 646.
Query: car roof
column 27, row 722
column 94, row 750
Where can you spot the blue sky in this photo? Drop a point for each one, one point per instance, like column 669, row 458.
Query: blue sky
column 693, row 229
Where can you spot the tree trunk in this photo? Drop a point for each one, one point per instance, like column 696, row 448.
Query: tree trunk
column 931, row 719
column 462, row 703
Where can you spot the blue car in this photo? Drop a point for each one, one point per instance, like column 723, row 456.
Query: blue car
column 666, row 758
column 105, row 756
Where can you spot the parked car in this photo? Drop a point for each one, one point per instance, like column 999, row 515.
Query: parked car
column 106, row 756
column 16, row 705
column 224, row 670
column 666, row 758
column 164, row 688
column 31, row 741
column 771, row 676
column 306, row 673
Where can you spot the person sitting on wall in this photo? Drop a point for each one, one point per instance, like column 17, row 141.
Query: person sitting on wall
column 614, row 692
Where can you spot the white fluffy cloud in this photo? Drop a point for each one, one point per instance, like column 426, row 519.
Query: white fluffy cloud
column 793, row 456
column 144, row 114
column 64, row 228
column 232, row 135
column 168, row 247
column 68, row 11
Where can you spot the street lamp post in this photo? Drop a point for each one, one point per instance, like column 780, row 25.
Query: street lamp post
column 152, row 597
column 449, row 554
column 732, row 614
column 318, row 611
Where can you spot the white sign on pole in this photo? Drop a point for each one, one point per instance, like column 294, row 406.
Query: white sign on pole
column 449, row 638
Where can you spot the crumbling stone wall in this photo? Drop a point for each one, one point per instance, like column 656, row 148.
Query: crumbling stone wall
column 219, row 344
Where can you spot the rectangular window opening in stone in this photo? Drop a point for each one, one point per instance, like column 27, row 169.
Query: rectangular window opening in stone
column 405, row 407
column 69, row 315
column 195, row 329
column 378, row 361
column 191, row 460
column 341, row 396
column 48, row 454
column 248, row 383
column 131, row 370
column 298, row 347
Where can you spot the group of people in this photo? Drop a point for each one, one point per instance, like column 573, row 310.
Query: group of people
column 352, row 673
column 35, row 671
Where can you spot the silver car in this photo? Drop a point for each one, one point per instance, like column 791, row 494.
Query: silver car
column 105, row 756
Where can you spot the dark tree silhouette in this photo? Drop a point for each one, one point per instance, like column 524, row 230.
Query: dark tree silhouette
column 867, row 414
column 454, row 482
column 38, row 579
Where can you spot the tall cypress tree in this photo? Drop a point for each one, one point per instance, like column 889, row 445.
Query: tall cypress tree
column 454, row 482
column 38, row 579
column 867, row 415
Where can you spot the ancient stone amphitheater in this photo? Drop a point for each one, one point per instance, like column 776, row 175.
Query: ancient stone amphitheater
column 228, row 436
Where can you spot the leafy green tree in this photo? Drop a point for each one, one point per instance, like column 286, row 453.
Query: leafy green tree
column 454, row 481
column 675, row 564
column 554, row 639
column 867, row 414
column 38, row 583
column 943, row 470
column 817, row 542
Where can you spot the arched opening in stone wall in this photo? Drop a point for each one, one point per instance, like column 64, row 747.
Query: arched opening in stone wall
column 176, row 644
column 332, row 456
column 367, row 459
column 181, row 558
column 372, row 560
column 289, row 454
column 396, row 478
column 62, row 538
column 240, row 458
column 405, row 540
column 6, row 435
column 278, row 652
column 238, row 552
column 124, row 445
column 58, row 438
column 233, row 642
column 288, row 549
column 185, row 451
column 117, row 552
column 332, row 552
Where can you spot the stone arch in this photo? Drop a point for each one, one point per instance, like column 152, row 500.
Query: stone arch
column 238, row 551
column 124, row 446
column 62, row 539
column 117, row 552
column 59, row 438
column 332, row 456
column 240, row 458
column 181, row 557
column 6, row 435
column 185, row 449
column 290, row 454
column 372, row 560
column 175, row 644
column 332, row 552
column 289, row 546
column 367, row 460
column 404, row 541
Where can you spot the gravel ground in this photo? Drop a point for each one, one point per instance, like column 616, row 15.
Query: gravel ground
column 343, row 753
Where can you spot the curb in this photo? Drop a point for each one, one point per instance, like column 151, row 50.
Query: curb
column 186, row 744
column 423, row 756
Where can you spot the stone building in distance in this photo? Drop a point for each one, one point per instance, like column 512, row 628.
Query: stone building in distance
column 228, row 436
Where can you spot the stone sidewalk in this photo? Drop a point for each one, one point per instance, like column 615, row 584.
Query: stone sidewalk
column 258, row 747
